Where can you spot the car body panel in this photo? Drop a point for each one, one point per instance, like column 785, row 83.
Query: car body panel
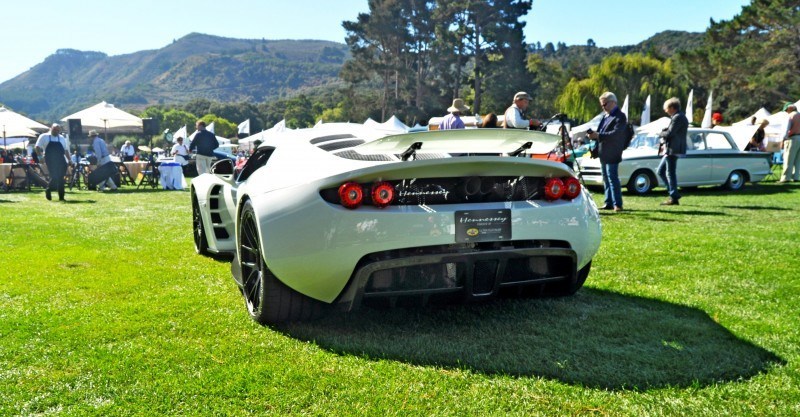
column 314, row 246
column 710, row 158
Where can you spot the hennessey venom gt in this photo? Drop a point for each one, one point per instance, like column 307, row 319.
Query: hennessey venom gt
column 340, row 214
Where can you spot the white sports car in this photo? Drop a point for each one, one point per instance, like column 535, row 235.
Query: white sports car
column 712, row 158
column 341, row 214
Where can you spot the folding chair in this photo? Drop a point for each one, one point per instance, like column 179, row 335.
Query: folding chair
column 150, row 174
column 124, row 175
column 775, row 166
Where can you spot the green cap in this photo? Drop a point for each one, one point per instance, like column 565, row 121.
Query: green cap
column 786, row 106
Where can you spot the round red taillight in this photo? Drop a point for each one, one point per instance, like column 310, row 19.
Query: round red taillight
column 554, row 189
column 572, row 188
column 351, row 194
column 382, row 194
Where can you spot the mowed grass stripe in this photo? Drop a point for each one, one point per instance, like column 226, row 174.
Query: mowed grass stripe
column 689, row 310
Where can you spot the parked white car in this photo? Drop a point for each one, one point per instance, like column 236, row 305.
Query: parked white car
column 712, row 158
column 340, row 213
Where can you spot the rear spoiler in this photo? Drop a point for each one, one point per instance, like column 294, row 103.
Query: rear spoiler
column 473, row 141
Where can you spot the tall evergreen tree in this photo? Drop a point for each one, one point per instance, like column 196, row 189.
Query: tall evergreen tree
column 750, row 61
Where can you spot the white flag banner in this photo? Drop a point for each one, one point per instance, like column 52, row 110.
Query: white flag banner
column 625, row 107
column 210, row 128
column 645, row 112
column 181, row 133
column 690, row 106
column 244, row 127
column 707, row 117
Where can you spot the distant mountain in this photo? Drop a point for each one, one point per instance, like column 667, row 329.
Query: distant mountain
column 663, row 44
column 195, row 66
column 230, row 70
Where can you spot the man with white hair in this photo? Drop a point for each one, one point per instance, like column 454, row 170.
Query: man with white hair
column 673, row 140
column 55, row 151
column 127, row 151
column 610, row 137
column 791, row 146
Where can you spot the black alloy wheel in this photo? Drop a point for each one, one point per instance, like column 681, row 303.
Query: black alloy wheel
column 198, row 230
column 252, row 264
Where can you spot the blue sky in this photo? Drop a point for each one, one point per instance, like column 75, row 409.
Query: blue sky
column 33, row 30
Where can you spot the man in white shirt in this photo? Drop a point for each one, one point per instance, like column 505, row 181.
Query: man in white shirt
column 127, row 151
column 180, row 151
column 514, row 116
column 55, row 150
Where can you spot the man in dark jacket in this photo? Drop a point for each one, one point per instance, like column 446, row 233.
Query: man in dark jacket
column 673, row 141
column 204, row 142
column 610, row 137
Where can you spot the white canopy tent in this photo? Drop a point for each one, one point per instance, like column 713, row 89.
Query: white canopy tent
column 741, row 133
column 761, row 113
column 17, row 128
column 247, row 143
column 107, row 118
column 394, row 124
column 655, row 126
column 591, row 124
column 11, row 119
column 12, row 135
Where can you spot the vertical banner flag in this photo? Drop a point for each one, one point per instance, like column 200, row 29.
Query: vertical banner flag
column 244, row 127
column 646, row 112
column 707, row 117
column 690, row 106
column 625, row 107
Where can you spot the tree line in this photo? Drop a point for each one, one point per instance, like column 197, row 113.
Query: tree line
column 411, row 58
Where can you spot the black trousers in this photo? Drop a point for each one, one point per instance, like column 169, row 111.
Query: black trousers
column 57, row 168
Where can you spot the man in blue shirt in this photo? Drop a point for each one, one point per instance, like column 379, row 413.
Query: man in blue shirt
column 204, row 142
column 105, row 166
column 453, row 120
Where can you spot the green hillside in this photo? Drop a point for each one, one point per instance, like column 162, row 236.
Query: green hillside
column 195, row 66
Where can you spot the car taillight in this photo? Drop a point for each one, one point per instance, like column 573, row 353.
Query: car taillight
column 351, row 194
column 572, row 188
column 382, row 194
column 554, row 189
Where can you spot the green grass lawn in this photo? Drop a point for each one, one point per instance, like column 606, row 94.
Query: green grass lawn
column 691, row 310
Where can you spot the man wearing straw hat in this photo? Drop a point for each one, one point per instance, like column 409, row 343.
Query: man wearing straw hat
column 453, row 120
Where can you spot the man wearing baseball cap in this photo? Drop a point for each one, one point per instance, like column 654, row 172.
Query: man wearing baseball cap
column 791, row 146
column 514, row 116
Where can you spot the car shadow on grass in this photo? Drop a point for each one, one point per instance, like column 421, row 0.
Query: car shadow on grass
column 596, row 338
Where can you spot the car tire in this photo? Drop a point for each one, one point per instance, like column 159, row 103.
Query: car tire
column 567, row 288
column 198, row 229
column 736, row 181
column 641, row 182
column 268, row 300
